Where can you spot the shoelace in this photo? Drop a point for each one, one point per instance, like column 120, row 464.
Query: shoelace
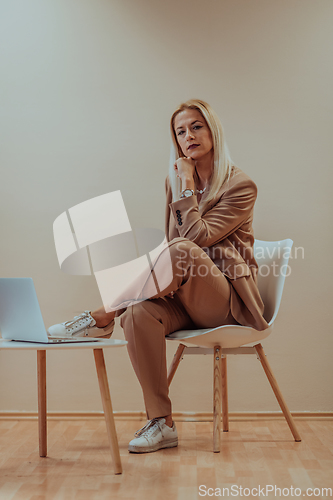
column 77, row 319
column 149, row 428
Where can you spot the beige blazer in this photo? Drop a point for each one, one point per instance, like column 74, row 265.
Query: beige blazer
column 224, row 230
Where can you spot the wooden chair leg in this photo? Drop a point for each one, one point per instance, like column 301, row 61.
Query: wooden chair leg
column 225, row 411
column 175, row 362
column 107, row 407
column 217, row 399
column 41, row 383
column 277, row 392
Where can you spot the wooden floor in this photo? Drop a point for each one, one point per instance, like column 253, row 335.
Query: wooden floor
column 254, row 453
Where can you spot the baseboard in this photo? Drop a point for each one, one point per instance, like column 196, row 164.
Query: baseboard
column 177, row 416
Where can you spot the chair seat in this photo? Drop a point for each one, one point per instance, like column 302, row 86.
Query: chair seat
column 224, row 336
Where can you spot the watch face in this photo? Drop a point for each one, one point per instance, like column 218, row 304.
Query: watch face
column 188, row 193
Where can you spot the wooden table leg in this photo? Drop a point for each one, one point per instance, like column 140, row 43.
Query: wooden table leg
column 217, row 399
column 41, row 381
column 107, row 407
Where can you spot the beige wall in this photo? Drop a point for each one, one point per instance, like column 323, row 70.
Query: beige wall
column 87, row 91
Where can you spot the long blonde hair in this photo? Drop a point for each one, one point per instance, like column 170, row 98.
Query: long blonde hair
column 222, row 161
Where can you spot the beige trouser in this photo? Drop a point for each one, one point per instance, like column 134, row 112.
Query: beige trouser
column 201, row 299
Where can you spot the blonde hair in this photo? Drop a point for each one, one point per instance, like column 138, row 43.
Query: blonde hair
column 222, row 161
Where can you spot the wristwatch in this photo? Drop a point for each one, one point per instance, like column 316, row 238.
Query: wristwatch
column 186, row 193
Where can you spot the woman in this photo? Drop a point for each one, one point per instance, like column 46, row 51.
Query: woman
column 209, row 215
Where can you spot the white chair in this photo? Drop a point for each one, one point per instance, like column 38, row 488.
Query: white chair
column 272, row 258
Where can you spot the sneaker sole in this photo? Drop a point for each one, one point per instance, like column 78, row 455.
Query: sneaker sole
column 156, row 447
column 105, row 332
column 107, row 336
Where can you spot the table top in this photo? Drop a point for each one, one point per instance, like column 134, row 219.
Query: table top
column 100, row 344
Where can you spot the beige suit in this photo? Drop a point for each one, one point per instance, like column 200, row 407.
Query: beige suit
column 214, row 282
column 224, row 231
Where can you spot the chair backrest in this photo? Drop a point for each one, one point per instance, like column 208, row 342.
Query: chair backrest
column 272, row 258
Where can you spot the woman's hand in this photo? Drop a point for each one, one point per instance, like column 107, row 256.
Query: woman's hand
column 184, row 168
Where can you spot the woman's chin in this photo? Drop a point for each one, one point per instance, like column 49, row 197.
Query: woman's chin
column 194, row 155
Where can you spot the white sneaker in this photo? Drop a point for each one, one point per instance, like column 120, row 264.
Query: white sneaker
column 81, row 326
column 154, row 436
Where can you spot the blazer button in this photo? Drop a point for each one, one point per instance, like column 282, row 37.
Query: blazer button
column 180, row 223
column 177, row 211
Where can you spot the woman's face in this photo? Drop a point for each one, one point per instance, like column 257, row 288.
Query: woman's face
column 193, row 134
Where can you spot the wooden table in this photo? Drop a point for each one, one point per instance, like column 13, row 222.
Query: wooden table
column 97, row 347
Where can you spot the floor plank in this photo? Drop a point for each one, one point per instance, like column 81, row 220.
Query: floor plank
column 78, row 467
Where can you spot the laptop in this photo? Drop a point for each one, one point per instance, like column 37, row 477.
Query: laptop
column 20, row 315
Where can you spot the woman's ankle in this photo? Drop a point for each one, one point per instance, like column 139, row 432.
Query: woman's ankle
column 102, row 318
column 168, row 420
